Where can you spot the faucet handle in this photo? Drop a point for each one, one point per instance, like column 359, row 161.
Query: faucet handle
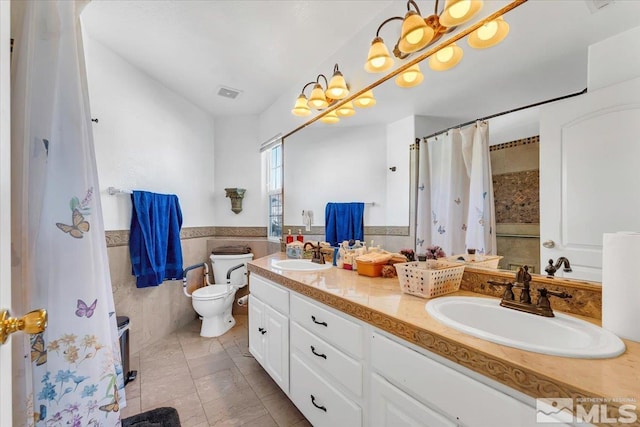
column 562, row 294
column 508, row 292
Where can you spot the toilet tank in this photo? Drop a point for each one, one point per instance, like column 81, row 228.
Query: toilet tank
column 222, row 263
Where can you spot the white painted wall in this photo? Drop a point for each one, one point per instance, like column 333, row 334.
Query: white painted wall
column 614, row 60
column 335, row 165
column 238, row 163
column 148, row 138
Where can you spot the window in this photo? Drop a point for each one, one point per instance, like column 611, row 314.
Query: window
column 274, row 192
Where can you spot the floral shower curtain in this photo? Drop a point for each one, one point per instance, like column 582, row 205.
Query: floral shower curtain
column 455, row 192
column 72, row 371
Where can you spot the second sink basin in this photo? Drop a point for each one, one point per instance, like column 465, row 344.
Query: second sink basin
column 299, row 265
column 560, row 336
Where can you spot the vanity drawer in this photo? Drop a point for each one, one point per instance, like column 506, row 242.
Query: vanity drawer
column 269, row 293
column 327, row 358
column 337, row 330
column 318, row 400
column 459, row 396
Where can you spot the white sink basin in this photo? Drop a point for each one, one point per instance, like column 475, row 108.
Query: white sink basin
column 300, row 265
column 559, row 336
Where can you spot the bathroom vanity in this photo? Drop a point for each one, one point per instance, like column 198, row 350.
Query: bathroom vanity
column 350, row 350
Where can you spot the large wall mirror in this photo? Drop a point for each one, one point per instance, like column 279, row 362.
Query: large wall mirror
column 370, row 160
column 376, row 165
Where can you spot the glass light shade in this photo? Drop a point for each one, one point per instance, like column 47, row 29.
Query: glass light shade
column 331, row 117
column 317, row 100
column 446, row 58
column 365, row 100
column 378, row 59
column 301, row 108
column 346, row 110
column 490, row 34
column 411, row 77
column 416, row 34
column 458, row 12
column 337, row 87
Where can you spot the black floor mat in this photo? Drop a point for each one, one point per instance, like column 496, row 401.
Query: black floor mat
column 159, row 417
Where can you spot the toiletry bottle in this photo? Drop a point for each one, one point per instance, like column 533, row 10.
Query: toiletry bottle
column 340, row 257
column 289, row 237
column 300, row 237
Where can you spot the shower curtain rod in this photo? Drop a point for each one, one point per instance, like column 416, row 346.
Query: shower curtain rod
column 571, row 95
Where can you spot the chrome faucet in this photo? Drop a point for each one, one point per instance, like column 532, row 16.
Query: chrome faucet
column 552, row 268
column 318, row 256
column 542, row 307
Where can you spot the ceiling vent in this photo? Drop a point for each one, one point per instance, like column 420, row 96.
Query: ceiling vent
column 228, row 92
column 596, row 5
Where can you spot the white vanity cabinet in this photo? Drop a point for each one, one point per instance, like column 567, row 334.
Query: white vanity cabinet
column 341, row 371
column 269, row 329
column 428, row 387
column 326, row 364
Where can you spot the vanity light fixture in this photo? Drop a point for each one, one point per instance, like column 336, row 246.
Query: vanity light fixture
column 457, row 12
column 331, row 117
column 378, row 59
column 365, row 100
column 483, row 33
column 446, row 58
column 318, row 100
column 490, row 34
column 337, row 88
column 346, row 110
column 411, row 77
column 321, row 98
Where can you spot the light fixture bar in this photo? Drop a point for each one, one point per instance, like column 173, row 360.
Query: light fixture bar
column 410, row 63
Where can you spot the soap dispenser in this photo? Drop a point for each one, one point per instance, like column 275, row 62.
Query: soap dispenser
column 289, row 237
column 300, row 237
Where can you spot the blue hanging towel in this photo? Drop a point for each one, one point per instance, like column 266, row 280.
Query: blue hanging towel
column 344, row 221
column 154, row 241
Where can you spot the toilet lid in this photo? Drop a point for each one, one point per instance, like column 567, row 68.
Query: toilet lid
column 211, row 292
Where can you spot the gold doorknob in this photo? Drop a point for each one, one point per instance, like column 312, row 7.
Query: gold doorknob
column 33, row 322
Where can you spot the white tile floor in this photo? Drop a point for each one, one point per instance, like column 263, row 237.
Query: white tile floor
column 210, row 381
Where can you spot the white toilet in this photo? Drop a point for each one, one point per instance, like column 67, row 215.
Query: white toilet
column 214, row 302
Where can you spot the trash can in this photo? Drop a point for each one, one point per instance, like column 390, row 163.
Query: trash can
column 123, row 335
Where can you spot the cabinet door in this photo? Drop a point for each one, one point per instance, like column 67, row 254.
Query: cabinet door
column 277, row 347
column 589, row 162
column 256, row 328
column 391, row 407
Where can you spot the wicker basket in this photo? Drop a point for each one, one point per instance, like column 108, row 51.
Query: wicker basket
column 490, row 261
column 429, row 279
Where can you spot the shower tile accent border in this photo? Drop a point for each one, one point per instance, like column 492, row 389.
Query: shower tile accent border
column 530, row 140
column 121, row 237
column 369, row 230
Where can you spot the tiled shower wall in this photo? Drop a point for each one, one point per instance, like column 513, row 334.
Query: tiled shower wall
column 515, row 167
column 157, row 311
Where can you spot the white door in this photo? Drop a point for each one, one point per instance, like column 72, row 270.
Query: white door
column 5, row 212
column 589, row 180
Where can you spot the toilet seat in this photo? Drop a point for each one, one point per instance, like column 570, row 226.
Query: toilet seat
column 212, row 292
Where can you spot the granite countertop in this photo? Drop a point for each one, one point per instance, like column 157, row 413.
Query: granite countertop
column 379, row 302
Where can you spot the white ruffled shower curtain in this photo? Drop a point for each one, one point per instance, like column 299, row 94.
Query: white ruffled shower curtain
column 455, row 207
column 72, row 370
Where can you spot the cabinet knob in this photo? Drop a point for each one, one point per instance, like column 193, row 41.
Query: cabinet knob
column 549, row 244
column 262, row 331
column 313, row 400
